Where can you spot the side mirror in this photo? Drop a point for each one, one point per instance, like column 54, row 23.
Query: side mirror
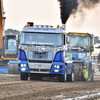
column 68, row 39
column 17, row 37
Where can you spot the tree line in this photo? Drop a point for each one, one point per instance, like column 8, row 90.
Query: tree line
column 11, row 31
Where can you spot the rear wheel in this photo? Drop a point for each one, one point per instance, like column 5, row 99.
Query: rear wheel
column 24, row 76
column 63, row 78
column 92, row 76
column 70, row 77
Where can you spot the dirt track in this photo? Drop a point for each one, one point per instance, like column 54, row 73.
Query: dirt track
column 12, row 88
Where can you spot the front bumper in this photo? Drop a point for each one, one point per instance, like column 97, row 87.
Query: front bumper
column 41, row 68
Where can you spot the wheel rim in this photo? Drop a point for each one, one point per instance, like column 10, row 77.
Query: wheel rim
column 65, row 76
column 72, row 76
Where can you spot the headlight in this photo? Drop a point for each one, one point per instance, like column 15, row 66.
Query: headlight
column 55, row 66
column 23, row 65
column 58, row 66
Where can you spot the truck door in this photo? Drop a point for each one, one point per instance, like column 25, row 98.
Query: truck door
column 10, row 47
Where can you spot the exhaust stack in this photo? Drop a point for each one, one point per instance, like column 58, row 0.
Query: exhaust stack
column 64, row 26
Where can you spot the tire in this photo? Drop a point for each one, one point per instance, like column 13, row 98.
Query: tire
column 23, row 76
column 63, row 78
column 70, row 77
column 92, row 76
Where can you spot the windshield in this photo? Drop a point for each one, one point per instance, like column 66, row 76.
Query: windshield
column 55, row 39
column 10, row 48
column 79, row 43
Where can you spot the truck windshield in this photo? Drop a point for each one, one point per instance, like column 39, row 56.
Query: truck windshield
column 10, row 48
column 48, row 39
column 79, row 43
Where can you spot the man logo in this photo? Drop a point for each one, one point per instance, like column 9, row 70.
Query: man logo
column 40, row 55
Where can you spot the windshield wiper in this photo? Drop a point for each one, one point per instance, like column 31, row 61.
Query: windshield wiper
column 23, row 44
column 33, row 44
column 27, row 44
column 37, row 44
column 49, row 45
column 43, row 45
column 79, row 48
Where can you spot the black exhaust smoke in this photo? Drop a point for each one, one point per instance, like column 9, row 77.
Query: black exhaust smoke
column 66, row 8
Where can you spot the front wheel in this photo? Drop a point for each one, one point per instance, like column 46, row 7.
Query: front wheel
column 23, row 76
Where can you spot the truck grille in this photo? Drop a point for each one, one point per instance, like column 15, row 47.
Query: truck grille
column 36, row 61
column 36, row 55
column 40, row 70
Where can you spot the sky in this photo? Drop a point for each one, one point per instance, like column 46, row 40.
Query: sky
column 19, row 12
column 47, row 12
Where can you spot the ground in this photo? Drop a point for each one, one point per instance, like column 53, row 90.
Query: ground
column 12, row 88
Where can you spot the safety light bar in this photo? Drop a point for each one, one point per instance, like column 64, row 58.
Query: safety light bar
column 42, row 26
column 58, row 26
column 30, row 24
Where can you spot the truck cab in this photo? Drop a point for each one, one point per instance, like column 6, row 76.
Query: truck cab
column 10, row 47
column 9, row 58
column 79, row 51
column 41, row 52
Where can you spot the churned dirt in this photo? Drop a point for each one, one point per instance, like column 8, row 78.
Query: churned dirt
column 12, row 88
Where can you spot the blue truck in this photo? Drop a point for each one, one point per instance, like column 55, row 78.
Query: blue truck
column 47, row 51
